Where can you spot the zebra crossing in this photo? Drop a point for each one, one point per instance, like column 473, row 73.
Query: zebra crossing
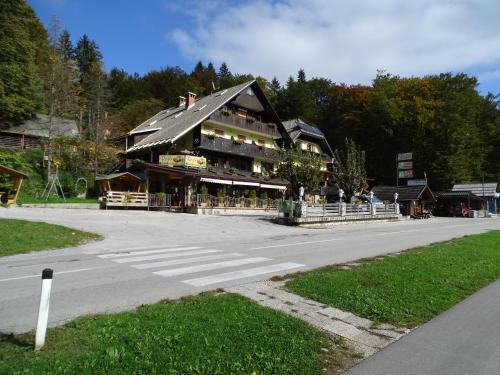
column 185, row 261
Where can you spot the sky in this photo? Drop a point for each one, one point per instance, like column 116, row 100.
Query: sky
column 345, row 41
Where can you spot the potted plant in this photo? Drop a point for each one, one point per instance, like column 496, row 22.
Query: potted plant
column 264, row 198
column 203, row 195
column 161, row 199
column 221, row 194
column 252, row 197
column 237, row 198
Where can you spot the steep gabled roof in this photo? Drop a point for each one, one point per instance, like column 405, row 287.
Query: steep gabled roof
column 173, row 123
column 490, row 188
column 405, row 193
column 297, row 127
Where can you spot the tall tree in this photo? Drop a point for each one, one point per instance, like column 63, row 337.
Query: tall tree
column 350, row 171
column 224, row 76
column 60, row 75
column 66, row 49
column 22, row 41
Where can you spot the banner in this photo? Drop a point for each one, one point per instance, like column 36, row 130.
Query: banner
column 188, row 161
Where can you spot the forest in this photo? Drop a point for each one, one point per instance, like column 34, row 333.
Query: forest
column 452, row 129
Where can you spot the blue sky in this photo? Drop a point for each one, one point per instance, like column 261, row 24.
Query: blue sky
column 346, row 41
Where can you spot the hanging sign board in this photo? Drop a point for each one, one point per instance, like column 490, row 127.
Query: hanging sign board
column 405, row 156
column 405, row 174
column 416, row 182
column 405, row 165
column 188, row 161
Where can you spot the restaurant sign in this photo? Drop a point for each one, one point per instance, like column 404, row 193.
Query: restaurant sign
column 405, row 156
column 405, row 174
column 405, row 165
column 188, row 161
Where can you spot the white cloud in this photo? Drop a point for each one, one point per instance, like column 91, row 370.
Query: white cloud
column 346, row 41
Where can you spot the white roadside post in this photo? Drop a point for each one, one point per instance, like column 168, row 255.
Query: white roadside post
column 396, row 205
column 43, row 310
column 373, row 210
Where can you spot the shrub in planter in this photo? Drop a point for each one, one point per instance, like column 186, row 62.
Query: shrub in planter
column 252, row 197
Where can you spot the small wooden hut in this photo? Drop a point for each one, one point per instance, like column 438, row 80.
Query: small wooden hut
column 414, row 201
column 120, row 182
column 9, row 190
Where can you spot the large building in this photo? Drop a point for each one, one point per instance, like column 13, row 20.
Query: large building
column 228, row 141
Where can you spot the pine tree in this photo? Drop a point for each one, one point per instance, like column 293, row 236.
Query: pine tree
column 224, row 76
column 65, row 46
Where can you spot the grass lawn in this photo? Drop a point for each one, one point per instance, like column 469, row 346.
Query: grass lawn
column 411, row 288
column 26, row 199
column 20, row 236
column 208, row 334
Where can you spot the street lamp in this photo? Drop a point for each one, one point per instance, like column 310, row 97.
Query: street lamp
column 396, row 196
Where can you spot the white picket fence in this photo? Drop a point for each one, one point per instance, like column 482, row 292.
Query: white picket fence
column 345, row 209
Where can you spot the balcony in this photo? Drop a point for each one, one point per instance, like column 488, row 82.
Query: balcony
column 230, row 147
column 247, row 124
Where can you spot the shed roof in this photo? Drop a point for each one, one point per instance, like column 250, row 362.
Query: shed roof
column 39, row 126
column 121, row 176
column 171, row 124
column 405, row 193
column 12, row 172
column 456, row 195
column 490, row 188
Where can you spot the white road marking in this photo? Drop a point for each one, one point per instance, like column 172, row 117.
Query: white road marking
column 210, row 266
column 55, row 273
column 185, row 261
column 400, row 231
column 124, row 254
column 295, row 244
column 250, row 272
column 105, row 251
column 163, row 256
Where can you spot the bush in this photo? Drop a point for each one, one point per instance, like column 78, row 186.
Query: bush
column 204, row 189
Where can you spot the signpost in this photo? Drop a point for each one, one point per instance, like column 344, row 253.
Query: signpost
column 404, row 166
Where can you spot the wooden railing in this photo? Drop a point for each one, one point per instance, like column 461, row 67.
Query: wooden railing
column 343, row 209
column 244, row 123
column 205, row 200
column 125, row 199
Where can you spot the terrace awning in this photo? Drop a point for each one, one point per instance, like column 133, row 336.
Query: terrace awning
column 277, row 187
column 245, row 183
column 216, row 181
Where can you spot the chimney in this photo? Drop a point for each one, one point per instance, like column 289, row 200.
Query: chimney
column 181, row 101
column 190, row 98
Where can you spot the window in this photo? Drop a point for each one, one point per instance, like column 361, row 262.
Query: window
column 241, row 137
column 241, row 113
column 310, row 147
column 219, row 133
column 261, row 142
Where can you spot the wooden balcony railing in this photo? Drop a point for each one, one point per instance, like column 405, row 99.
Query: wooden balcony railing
column 230, row 147
column 245, row 123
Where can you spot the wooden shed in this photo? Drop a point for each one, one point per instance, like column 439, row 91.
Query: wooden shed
column 124, row 181
column 9, row 190
column 415, row 201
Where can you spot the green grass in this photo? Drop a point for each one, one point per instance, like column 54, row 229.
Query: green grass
column 209, row 334
column 27, row 199
column 412, row 288
column 20, row 236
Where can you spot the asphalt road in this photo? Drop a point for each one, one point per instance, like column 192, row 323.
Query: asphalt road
column 463, row 340
column 149, row 256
